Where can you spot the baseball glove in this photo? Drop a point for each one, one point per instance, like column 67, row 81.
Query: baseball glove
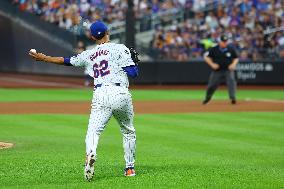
column 134, row 55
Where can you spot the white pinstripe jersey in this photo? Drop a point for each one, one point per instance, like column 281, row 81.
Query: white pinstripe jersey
column 105, row 62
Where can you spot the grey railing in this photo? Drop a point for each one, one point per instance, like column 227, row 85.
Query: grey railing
column 145, row 23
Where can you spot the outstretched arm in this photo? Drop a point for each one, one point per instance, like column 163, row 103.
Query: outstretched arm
column 50, row 59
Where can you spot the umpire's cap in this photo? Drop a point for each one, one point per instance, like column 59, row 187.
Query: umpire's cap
column 224, row 37
column 98, row 29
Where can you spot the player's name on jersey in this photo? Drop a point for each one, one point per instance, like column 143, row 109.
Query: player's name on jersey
column 99, row 53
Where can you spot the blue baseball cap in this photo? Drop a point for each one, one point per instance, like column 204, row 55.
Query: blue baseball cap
column 98, row 29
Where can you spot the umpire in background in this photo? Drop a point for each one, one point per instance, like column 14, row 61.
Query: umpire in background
column 223, row 60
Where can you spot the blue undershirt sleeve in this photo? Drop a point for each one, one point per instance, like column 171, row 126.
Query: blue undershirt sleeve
column 132, row 71
column 67, row 62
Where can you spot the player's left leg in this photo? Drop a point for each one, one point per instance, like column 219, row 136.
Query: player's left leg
column 124, row 114
column 232, row 85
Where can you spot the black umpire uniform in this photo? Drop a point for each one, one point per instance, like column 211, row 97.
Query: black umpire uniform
column 222, row 59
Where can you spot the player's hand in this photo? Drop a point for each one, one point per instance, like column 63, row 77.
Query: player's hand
column 37, row 56
column 215, row 66
column 232, row 67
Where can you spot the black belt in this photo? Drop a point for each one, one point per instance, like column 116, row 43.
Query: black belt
column 109, row 84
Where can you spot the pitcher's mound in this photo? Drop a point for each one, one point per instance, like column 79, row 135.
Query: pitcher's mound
column 4, row 145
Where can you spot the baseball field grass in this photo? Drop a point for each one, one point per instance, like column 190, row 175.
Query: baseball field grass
column 186, row 150
column 35, row 95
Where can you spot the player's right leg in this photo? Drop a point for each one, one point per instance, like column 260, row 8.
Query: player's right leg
column 214, row 81
column 123, row 112
column 99, row 117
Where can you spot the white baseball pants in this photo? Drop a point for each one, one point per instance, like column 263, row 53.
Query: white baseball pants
column 108, row 101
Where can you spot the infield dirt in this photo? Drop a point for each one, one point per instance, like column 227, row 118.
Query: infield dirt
column 4, row 145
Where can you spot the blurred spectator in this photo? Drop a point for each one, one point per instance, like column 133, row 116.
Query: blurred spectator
column 80, row 48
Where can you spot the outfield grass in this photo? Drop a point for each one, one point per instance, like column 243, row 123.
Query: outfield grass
column 26, row 95
column 197, row 150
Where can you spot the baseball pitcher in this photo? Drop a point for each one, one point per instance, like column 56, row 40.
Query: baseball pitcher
column 109, row 64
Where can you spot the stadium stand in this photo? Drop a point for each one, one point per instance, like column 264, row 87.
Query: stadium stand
column 70, row 13
column 251, row 24
column 183, row 29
